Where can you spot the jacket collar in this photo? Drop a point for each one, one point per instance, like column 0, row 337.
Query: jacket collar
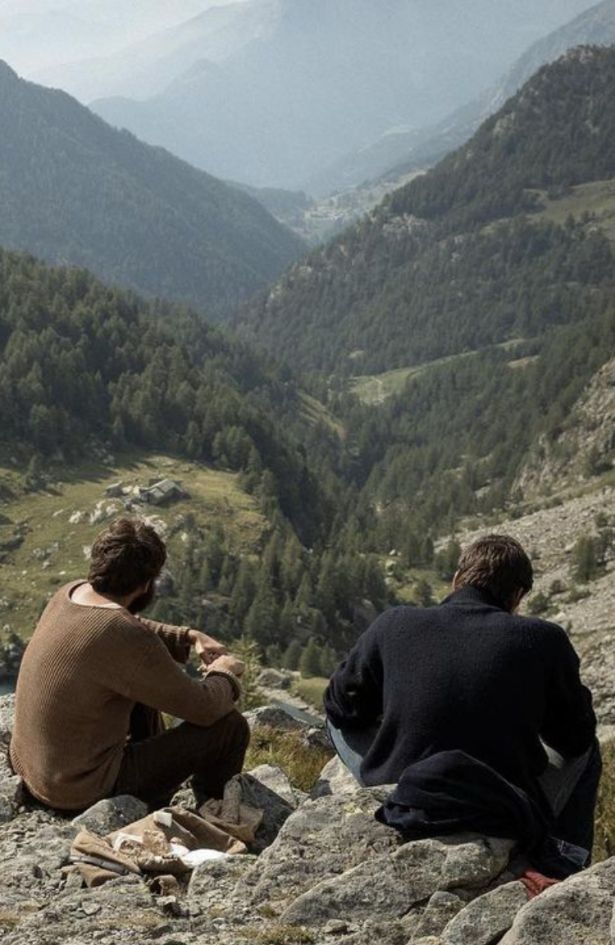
column 472, row 595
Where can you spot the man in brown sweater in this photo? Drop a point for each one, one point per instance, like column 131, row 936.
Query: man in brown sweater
column 95, row 678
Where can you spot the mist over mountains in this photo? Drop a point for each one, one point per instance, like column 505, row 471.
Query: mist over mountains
column 39, row 34
column 398, row 154
column 271, row 92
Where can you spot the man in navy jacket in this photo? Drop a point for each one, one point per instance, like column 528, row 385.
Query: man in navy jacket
column 472, row 679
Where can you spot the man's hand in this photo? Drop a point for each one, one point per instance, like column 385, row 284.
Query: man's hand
column 206, row 648
column 228, row 664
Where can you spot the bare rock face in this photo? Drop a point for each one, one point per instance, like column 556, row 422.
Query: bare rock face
column 388, row 887
column 323, row 838
column 487, row 917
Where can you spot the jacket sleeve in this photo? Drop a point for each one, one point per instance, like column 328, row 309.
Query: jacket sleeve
column 569, row 724
column 154, row 679
column 354, row 695
column 174, row 638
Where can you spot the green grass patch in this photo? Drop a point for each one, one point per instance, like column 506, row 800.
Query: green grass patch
column 301, row 762
column 374, row 389
column 284, row 935
column 57, row 527
column 407, row 588
column 311, row 690
column 596, row 198
column 316, row 413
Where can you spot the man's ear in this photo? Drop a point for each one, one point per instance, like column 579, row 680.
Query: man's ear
column 516, row 601
column 455, row 579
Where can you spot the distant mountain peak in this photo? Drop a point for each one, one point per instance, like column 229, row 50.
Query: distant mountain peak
column 73, row 189
column 6, row 72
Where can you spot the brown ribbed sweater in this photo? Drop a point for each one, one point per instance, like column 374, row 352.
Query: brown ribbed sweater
column 82, row 673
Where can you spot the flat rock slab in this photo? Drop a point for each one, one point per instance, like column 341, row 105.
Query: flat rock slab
column 323, row 838
column 577, row 911
column 388, row 887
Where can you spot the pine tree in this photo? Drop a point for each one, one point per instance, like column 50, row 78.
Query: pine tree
column 328, row 661
column 262, row 621
column 585, row 559
column 292, row 656
column 243, row 590
column 309, row 664
column 423, row 593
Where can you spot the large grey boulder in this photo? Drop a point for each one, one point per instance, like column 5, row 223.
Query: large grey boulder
column 268, row 788
column 110, row 814
column 487, row 917
column 274, row 679
column 277, row 781
column 282, row 718
column 441, row 908
column 388, row 887
column 323, row 838
column 576, row 911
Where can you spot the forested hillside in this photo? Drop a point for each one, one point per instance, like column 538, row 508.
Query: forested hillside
column 462, row 257
column 73, row 190
column 489, row 284
column 87, row 371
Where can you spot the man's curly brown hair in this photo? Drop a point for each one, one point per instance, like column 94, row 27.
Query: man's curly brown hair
column 125, row 556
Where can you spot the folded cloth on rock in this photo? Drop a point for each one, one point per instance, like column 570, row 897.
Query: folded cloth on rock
column 452, row 792
column 171, row 841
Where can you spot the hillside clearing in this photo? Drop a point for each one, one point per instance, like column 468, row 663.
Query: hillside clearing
column 52, row 529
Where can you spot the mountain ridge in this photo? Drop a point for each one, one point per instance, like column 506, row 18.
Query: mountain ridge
column 76, row 190
column 593, row 26
column 379, row 278
column 304, row 110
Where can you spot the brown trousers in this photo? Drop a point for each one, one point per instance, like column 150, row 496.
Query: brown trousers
column 157, row 761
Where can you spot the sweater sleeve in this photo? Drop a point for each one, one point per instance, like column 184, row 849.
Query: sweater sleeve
column 354, row 695
column 155, row 680
column 569, row 725
column 174, row 638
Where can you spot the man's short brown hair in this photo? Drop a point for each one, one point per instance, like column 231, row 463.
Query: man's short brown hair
column 496, row 564
column 125, row 556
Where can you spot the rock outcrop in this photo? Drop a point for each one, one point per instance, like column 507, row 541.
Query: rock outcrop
column 326, row 872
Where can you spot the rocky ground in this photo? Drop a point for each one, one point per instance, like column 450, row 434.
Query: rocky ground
column 328, row 874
